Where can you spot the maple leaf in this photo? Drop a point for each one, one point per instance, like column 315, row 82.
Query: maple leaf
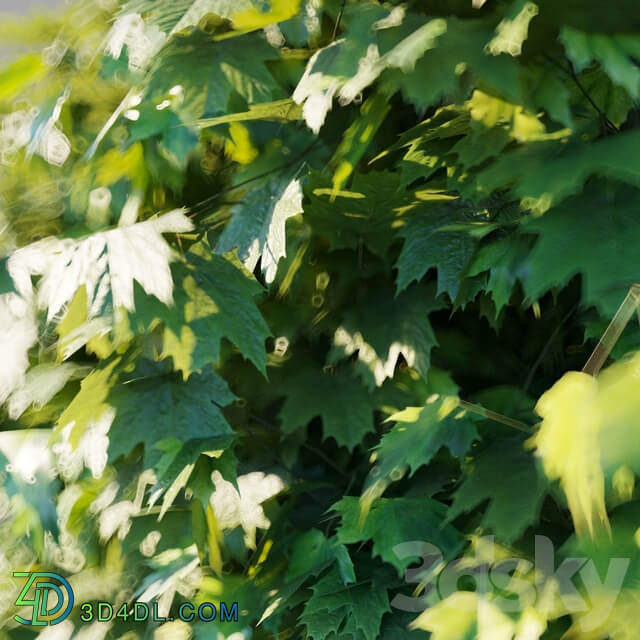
column 214, row 300
column 107, row 263
column 570, row 403
column 419, row 433
column 391, row 521
column 366, row 331
column 346, row 611
column 513, row 201
column 505, row 260
column 543, row 175
column 510, row 511
column 600, row 249
column 425, row 246
column 513, row 29
column 111, row 400
column 210, row 71
column 608, row 613
column 366, row 212
column 615, row 55
column 466, row 614
column 241, row 507
column 257, row 226
column 347, row 66
column 345, row 406
column 460, row 48
column 597, row 414
column 312, row 552
column 244, row 14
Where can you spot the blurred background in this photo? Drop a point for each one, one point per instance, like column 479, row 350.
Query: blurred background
column 24, row 6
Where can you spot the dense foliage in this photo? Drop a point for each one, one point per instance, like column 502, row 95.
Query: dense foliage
column 256, row 257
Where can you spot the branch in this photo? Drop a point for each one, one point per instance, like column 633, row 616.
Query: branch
column 338, row 20
column 572, row 74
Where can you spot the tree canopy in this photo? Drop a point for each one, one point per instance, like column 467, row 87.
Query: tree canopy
column 263, row 263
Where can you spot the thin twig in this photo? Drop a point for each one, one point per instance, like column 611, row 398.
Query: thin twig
column 601, row 113
column 545, row 349
column 338, row 20
column 307, row 446
column 617, row 325
column 572, row 74
column 207, row 201
column 495, row 416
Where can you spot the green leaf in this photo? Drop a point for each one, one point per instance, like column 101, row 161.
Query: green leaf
column 615, row 53
column 245, row 15
column 380, row 339
column 459, row 169
column 498, row 474
column 213, row 300
column 482, row 144
column 176, row 139
column 506, row 261
column 200, row 481
column 278, row 110
column 611, row 608
column 365, row 213
column 164, row 15
column 164, row 408
column 349, row 65
column 426, row 247
column 549, row 92
column 210, row 71
column 490, row 111
column 613, row 100
column 345, row 406
column 257, row 226
column 392, row 521
column 357, row 138
column 543, row 175
column 312, row 552
column 148, row 407
column 419, row 433
column 302, row 28
column 335, row 610
column 468, row 615
column 601, row 248
column 459, row 49
column 513, row 28
column 6, row 281
column 229, row 589
column 430, row 144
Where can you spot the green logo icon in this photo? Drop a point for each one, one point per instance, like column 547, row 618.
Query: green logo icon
column 36, row 594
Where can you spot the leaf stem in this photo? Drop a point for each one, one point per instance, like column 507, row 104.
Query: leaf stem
column 202, row 204
column 572, row 74
column 338, row 20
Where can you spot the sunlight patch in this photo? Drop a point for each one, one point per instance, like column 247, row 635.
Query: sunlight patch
column 142, row 41
column 233, row 508
column 18, row 333
column 321, row 80
column 112, row 260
